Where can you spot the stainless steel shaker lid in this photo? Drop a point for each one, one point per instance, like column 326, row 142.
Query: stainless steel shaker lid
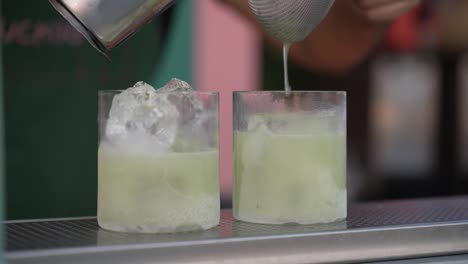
column 108, row 23
column 64, row 10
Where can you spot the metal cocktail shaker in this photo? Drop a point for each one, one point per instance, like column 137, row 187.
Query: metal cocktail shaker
column 108, row 23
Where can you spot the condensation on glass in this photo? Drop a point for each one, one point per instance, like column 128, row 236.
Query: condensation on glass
column 289, row 157
column 161, row 182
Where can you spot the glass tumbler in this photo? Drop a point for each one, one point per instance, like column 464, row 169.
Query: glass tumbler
column 158, row 163
column 289, row 157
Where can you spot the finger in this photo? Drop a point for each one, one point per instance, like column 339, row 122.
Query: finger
column 391, row 11
column 366, row 4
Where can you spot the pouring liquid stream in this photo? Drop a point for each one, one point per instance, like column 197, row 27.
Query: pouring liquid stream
column 287, row 87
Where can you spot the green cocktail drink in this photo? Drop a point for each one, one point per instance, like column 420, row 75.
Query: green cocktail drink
column 157, row 193
column 158, row 159
column 289, row 165
column 289, row 178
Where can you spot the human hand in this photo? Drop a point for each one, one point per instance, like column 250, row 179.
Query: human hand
column 385, row 10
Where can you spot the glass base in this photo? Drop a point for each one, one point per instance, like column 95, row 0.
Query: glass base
column 286, row 221
column 157, row 229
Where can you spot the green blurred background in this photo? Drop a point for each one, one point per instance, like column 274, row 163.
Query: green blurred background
column 51, row 80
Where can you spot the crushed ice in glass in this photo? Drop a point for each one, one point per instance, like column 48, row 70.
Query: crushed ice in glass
column 142, row 117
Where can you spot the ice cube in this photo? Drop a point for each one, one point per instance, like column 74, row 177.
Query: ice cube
column 176, row 85
column 254, row 144
column 143, row 119
column 193, row 118
column 171, row 118
column 257, row 122
column 180, row 94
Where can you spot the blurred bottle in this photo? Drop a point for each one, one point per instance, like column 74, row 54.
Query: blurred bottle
column 453, row 14
column 405, row 81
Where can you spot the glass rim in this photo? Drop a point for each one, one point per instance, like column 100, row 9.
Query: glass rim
column 118, row 91
column 290, row 92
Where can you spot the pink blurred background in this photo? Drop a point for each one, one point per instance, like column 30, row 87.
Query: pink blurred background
column 227, row 58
